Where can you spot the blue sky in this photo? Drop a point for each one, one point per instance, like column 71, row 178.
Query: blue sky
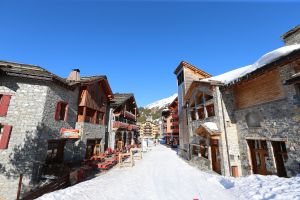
column 139, row 44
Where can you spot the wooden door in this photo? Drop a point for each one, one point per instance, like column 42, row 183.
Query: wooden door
column 215, row 155
column 259, row 153
column 280, row 155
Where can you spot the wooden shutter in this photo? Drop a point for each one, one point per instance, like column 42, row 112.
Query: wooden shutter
column 5, row 137
column 57, row 111
column 4, row 105
column 66, row 113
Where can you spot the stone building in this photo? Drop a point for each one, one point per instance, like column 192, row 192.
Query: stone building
column 123, row 130
column 41, row 123
column 186, row 74
column 247, row 120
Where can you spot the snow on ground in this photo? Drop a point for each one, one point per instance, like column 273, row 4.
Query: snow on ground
column 234, row 75
column 162, row 175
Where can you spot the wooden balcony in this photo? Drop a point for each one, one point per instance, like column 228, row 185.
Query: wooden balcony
column 129, row 115
column 118, row 124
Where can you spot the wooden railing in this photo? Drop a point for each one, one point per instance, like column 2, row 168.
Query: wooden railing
column 60, row 183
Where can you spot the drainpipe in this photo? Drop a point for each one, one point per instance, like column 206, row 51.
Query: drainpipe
column 225, row 131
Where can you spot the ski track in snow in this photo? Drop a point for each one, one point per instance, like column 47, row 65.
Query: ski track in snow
column 160, row 175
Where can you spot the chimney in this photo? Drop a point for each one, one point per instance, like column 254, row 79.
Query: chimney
column 74, row 75
column 292, row 36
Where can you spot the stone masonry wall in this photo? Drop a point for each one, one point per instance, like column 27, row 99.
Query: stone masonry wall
column 279, row 122
column 91, row 131
column 24, row 114
column 293, row 39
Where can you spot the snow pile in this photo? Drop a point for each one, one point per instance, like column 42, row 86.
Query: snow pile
column 161, row 103
column 258, row 187
column 211, row 126
column 236, row 74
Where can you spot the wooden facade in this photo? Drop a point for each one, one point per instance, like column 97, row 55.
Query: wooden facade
column 262, row 89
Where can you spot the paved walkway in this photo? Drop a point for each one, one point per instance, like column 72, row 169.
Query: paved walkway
column 160, row 175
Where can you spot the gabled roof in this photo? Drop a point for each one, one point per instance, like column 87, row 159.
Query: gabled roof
column 191, row 67
column 31, row 72
column 121, row 98
column 194, row 85
column 87, row 80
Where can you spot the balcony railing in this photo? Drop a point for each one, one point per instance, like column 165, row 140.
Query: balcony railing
column 129, row 115
column 118, row 124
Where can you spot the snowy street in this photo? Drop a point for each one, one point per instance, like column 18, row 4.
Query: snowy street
column 161, row 174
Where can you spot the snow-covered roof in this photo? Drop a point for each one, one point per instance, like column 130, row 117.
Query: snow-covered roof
column 211, row 126
column 235, row 75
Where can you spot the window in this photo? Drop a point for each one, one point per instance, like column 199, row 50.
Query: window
column 61, row 113
column 4, row 103
column 180, row 78
column 253, row 119
column 55, row 152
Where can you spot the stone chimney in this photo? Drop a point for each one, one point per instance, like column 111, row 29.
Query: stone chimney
column 74, row 75
column 292, row 36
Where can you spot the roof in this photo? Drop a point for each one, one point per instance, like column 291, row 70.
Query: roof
column 278, row 57
column 31, row 72
column 290, row 32
column 121, row 98
column 174, row 103
column 38, row 73
column 192, row 87
column 191, row 67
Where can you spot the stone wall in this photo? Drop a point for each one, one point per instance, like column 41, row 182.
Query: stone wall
column 31, row 113
column 278, row 121
column 25, row 115
column 91, row 131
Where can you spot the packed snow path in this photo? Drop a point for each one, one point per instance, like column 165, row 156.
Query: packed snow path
column 162, row 175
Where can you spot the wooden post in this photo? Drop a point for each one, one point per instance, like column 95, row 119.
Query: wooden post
column 19, row 187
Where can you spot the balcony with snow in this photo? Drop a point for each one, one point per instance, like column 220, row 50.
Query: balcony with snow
column 201, row 105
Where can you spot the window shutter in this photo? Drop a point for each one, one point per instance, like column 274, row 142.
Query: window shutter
column 5, row 136
column 67, row 112
column 4, row 105
column 57, row 111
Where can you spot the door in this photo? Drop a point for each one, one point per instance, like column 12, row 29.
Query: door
column 280, row 155
column 215, row 155
column 259, row 153
column 55, row 151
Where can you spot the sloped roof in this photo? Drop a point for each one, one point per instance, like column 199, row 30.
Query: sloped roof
column 275, row 58
column 191, row 67
column 31, row 72
column 120, row 98
column 290, row 32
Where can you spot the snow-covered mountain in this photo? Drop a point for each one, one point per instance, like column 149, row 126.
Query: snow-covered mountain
column 161, row 103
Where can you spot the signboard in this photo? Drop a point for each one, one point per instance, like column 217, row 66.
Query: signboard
column 70, row 133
